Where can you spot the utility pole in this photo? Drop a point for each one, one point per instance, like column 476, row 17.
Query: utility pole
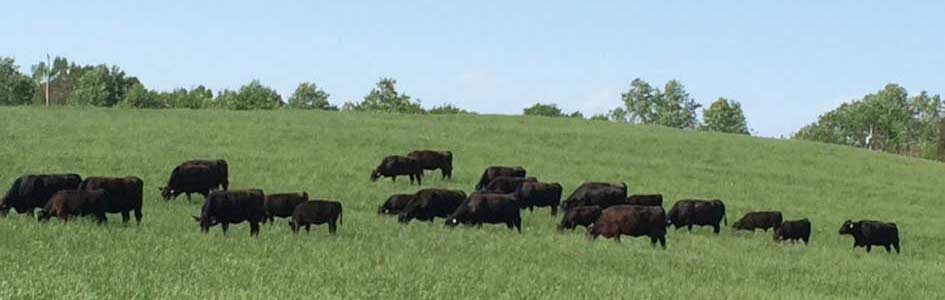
column 48, row 71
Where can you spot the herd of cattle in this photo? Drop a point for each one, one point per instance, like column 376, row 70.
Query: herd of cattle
column 604, row 209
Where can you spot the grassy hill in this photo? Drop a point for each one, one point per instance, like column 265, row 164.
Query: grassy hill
column 330, row 155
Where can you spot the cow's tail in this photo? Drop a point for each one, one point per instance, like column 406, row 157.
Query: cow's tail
column 340, row 215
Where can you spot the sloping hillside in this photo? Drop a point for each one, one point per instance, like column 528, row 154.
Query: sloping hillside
column 330, row 155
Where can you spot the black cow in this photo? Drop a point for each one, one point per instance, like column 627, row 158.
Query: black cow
column 395, row 204
column 432, row 160
column 219, row 168
column 428, row 204
column 496, row 171
column 68, row 203
column 316, row 212
column 30, row 192
column 867, row 233
column 506, row 184
column 190, row 179
column 793, row 230
column 225, row 207
column 686, row 213
column 646, row 200
column 603, row 194
column 122, row 194
column 759, row 219
column 533, row 194
column 395, row 165
column 282, row 205
column 581, row 215
column 489, row 208
column 632, row 220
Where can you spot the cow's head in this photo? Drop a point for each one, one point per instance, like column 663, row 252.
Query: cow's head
column 847, row 227
column 4, row 209
column 737, row 225
column 452, row 221
column 205, row 222
column 375, row 174
column 166, row 193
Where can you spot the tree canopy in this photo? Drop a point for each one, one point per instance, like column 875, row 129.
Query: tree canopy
column 725, row 115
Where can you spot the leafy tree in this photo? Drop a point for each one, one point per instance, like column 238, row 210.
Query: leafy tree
column 888, row 120
column 91, row 89
column 309, row 96
column 576, row 114
column 676, row 108
column 672, row 107
column 640, row 102
column 253, row 95
column 546, row 110
column 447, row 109
column 384, row 97
column 140, row 97
column 725, row 115
column 196, row 98
column 600, row 117
column 15, row 88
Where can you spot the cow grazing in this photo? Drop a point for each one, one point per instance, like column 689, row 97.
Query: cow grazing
column 489, row 208
column 533, row 194
column 395, row 204
column 632, row 220
column 219, row 169
column 496, row 171
column 69, row 203
column 793, row 230
column 226, row 207
column 30, row 192
column 190, row 179
column 506, row 184
column 759, row 219
column 603, row 194
column 282, row 205
column 686, row 213
column 395, row 165
column 646, row 200
column 868, row 233
column 581, row 215
column 122, row 194
column 316, row 212
column 428, row 204
column 432, row 160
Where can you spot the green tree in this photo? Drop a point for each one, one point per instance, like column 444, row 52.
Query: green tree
column 15, row 87
column 725, row 115
column 600, row 117
column 888, row 120
column 676, row 108
column 140, row 97
column 309, row 96
column 252, row 95
column 384, row 97
column 640, row 103
column 447, row 109
column 91, row 88
column 546, row 110
column 672, row 107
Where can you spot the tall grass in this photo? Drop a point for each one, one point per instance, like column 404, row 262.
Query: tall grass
column 330, row 155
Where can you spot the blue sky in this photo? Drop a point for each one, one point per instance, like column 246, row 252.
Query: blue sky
column 786, row 62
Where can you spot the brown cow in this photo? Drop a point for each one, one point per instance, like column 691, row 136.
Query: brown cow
column 282, row 205
column 581, row 215
column 316, row 212
column 122, row 195
column 632, row 220
column 68, row 203
column 432, row 160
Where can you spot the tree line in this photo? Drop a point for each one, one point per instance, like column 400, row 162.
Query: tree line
column 889, row 120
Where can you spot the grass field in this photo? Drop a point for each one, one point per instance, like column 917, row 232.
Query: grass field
column 330, row 155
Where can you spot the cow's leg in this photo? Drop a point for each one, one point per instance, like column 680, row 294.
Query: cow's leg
column 717, row 228
column 308, row 228
column 805, row 240
column 896, row 245
column 125, row 216
column 102, row 219
column 662, row 240
column 868, row 248
column 393, row 178
column 332, row 227
column 138, row 215
column 690, row 227
column 554, row 210
column 188, row 197
column 225, row 226
column 253, row 228
column 888, row 248
column 411, row 178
